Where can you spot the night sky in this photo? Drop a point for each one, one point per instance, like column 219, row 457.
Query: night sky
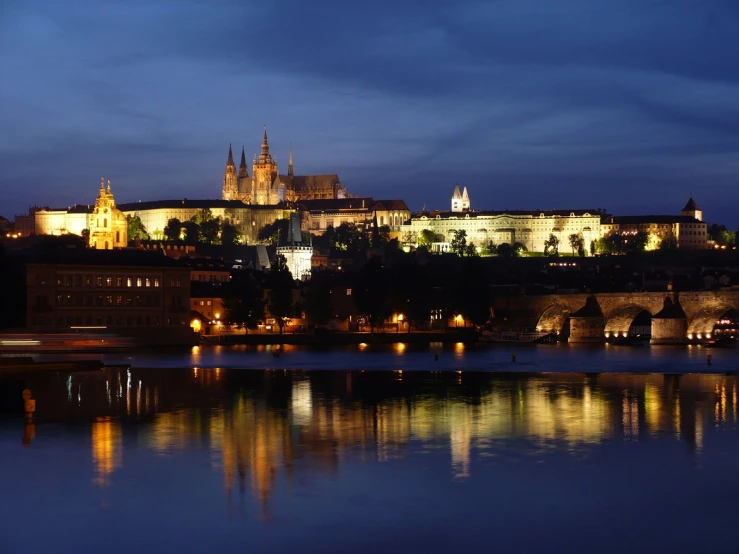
column 628, row 105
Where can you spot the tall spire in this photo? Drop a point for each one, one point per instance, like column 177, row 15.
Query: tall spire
column 102, row 186
column 243, row 171
column 290, row 168
column 230, row 156
column 265, row 148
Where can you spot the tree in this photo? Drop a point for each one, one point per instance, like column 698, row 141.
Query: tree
column 519, row 249
column 136, row 229
column 505, row 250
column 551, row 246
column 243, row 300
column 489, row 249
column 230, row 234
column 426, row 238
column 348, row 237
column 410, row 292
column 470, row 250
column 173, row 229
column 409, row 238
column 192, row 232
column 592, row 248
column 208, row 230
column 459, row 242
column 280, row 283
column 271, row 232
column 576, row 243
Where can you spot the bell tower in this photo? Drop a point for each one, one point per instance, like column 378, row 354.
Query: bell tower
column 230, row 185
column 264, row 171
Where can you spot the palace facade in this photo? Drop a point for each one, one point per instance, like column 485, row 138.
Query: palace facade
column 266, row 186
column 533, row 227
column 528, row 227
column 248, row 219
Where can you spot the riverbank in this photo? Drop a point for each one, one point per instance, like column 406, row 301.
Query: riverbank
column 344, row 339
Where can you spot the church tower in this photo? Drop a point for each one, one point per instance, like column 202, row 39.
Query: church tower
column 230, row 185
column 290, row 168
column 108, row 225
column 460, row 200
column 264, row 171
column 244, row 183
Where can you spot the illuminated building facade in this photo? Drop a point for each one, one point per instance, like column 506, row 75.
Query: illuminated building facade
column 108, row 225
column 319, row 215
column 266, row 186
column 530, row 228
column 248, row 219
column 685, row 231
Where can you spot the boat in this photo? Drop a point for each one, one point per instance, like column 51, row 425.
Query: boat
column 515, row 336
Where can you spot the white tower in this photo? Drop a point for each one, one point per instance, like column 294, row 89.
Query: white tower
column 297, row 252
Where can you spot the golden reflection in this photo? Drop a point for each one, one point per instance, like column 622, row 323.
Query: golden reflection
column 653, row 410
column 399, row 347
column 459, row 348
column 106, row 449
column 279, row 423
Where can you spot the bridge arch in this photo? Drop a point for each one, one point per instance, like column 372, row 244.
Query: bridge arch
column 555, row 319
column 702, row 323
column 619, row 323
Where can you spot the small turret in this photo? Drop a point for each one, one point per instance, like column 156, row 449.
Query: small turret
column 230, row 188
column 290, row 168
column 691, row 209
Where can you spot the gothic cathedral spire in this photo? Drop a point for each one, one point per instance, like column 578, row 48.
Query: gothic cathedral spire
column 265, row 157
column 230, row 161
column 243, row 170
column 290, row 168
column 230, row 187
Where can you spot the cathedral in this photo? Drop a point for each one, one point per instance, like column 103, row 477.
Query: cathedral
column 266, row 186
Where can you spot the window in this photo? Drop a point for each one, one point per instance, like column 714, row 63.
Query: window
column 99, row 300
column 156, row 282
column 139, row 300
column 88, row 280
column 78, row 280
column 202, row 302
column 105, row 224
column 119, row 300
column 109, row 300
column 68, row 281
column 119, row 281
column 209, row 303
column 108, row 281
column 129, row 282
column 147, row 282
column 348, row 292
column 138, row 281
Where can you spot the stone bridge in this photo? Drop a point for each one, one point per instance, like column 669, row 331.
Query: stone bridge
column 676, row 317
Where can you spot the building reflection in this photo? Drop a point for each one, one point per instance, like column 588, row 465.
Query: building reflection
column 266, row 429
column 106, row 449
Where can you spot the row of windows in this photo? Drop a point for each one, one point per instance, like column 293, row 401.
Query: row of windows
column 127, row 300
column 108, row 281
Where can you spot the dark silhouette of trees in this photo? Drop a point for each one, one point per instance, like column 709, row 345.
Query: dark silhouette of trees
column 280, row 283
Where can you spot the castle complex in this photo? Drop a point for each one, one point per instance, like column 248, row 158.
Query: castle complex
column 266, row 186
column 251, row 201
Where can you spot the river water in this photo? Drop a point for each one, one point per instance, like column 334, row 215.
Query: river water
column 373, row 449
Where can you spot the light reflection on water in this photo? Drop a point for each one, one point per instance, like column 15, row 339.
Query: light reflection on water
column 270, row 437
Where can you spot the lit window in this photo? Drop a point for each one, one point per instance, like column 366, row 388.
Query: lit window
column 156, row 282
column 138, row 281
column 348, row 292
column 147, row 282
column 128, row 282
column 108, row 281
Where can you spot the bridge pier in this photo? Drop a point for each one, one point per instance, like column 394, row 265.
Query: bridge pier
column 669, row 330
column 587, row 329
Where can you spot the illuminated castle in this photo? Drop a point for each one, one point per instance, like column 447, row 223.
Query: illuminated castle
column 266, row 186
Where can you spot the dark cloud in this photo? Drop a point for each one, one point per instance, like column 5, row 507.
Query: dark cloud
column 624, row 104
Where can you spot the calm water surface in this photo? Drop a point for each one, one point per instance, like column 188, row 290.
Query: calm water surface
column 216, row 460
